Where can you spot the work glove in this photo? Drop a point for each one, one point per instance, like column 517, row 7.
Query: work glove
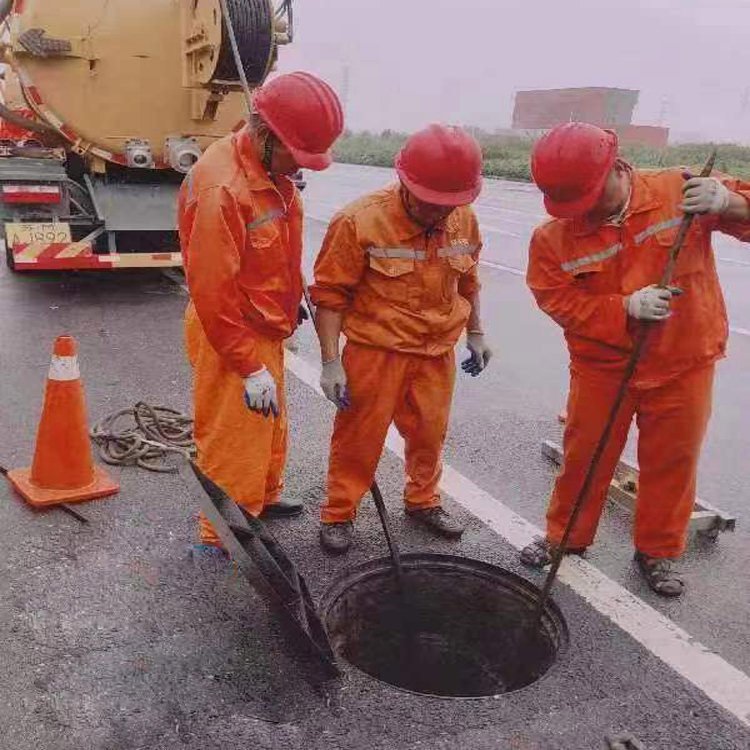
column 480, row 354
column 302, row 315
column 260, row 393
column 333, row 382
column 704, row 195
column 652, row 302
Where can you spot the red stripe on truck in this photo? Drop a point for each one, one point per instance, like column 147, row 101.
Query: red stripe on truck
column 33, row 92
column 68, row 133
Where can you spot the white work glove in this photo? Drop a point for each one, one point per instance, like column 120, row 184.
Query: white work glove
column 652, row 302
column 260, row 393
column 481, row 354
column 333, row 382
column 705, row 195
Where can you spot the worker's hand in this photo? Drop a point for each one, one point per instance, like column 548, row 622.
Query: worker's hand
column 302, row 315
column 652, row 302
column 333, row 382
column 704, row 195
column 481, row 354
column 260, row 393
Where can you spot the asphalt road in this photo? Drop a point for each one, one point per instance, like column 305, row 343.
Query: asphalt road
column 500, row 419
column 113, row 638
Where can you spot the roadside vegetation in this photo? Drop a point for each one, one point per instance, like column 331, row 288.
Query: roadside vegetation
column 507, row 156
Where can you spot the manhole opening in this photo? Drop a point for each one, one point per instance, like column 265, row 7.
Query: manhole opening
column 463, row 633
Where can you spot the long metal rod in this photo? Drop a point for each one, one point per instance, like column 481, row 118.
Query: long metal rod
column 643, row 330
column 374, row 490
column 237, row 56
column 377, row 495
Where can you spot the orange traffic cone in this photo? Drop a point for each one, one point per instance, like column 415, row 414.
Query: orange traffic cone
column 63, row 470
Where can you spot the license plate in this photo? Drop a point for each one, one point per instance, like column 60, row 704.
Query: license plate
column 29, row 234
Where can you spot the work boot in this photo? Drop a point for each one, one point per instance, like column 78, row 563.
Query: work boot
column 282, row 509
column 439, row 521
column 660, row 575
column 336, row 538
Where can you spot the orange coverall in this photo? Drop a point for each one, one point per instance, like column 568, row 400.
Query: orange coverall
column 404, row 295
column 579, row 276
column 241, row 237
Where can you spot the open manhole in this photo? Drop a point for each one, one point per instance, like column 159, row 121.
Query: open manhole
column 464, row 632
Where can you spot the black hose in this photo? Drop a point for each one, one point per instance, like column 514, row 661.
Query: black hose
column 253, row 26
column 40, row 128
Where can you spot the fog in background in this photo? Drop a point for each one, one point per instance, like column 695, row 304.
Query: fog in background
column 401, row 63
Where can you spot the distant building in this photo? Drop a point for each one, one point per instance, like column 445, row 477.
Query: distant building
column 541, row 110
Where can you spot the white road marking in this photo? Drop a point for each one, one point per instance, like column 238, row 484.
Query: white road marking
column 733, row 261
column 501, row 267
column 724, row 684
column 521, row 272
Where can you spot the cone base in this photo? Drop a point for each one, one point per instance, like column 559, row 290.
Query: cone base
column 38, row 497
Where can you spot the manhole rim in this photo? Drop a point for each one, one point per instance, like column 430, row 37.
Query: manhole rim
column 377, row 566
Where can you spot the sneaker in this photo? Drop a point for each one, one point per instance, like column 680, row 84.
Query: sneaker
column 336, row 538
column 439, row 521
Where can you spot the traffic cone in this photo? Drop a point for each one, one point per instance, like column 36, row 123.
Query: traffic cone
column 63, row 470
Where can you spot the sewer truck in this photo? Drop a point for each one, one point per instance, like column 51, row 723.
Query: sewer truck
column 111, row 103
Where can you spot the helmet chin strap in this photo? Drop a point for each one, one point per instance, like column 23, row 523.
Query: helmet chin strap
column 267, row 159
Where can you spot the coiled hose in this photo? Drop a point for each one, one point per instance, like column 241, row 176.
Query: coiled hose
column 253, row 22
column 144, row 436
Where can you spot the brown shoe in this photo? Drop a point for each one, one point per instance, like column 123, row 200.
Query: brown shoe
column 439, row 521
column 660, row 575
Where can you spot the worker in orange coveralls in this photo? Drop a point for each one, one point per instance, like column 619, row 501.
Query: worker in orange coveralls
column 593, row 269
column 397, row 273
column 240, row 220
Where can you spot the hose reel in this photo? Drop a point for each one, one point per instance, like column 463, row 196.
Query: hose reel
column 253, row 22
column 259, row 28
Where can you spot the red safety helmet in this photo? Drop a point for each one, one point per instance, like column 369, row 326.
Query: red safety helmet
column 570, row 164
column 441, row 165
column 305, row 115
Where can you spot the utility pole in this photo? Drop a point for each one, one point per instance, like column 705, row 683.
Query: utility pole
column 345, row 80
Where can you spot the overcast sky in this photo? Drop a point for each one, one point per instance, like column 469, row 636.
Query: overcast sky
column 414, row 61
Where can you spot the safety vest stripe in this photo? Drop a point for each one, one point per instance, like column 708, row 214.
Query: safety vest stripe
column 452, row 250
column 573, row 265
column 397, row 252
column 656, row 228
column 265, row 219
column 610, row 252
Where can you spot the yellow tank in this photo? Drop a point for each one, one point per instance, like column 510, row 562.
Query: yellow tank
column 140, row 83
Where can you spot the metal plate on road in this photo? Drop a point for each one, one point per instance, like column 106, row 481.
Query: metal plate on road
column 28, row 234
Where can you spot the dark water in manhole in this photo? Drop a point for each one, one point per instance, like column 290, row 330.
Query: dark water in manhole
column 462, row 628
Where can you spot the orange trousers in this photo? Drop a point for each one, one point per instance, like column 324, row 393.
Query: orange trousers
column 415, row 394
column 243, row 452
column 672, row 421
